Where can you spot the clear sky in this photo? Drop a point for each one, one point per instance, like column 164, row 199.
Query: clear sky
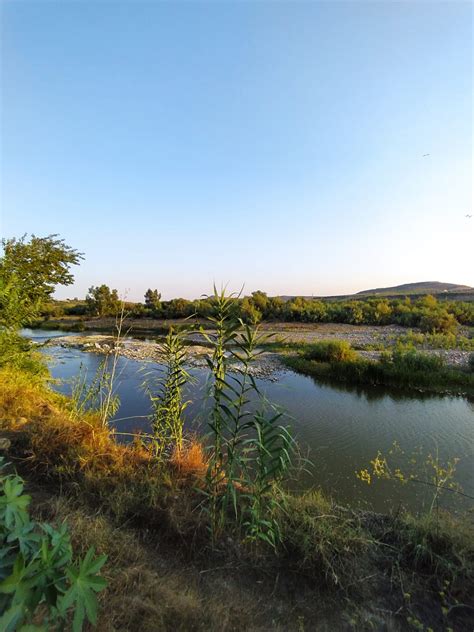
column 276, row 144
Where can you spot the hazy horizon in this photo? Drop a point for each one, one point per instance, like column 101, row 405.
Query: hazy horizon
column 133, row 294
column 277, row 145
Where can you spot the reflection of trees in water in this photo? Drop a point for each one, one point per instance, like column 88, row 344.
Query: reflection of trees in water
column 377, row 392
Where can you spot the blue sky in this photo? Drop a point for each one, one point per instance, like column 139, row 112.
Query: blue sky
column 276, row 144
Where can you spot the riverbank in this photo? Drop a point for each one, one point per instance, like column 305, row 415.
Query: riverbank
column 403, row 367
column 267, row 365
column 336, row 568
column 370, row 340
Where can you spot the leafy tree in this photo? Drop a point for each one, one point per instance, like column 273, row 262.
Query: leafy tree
column 39, row 264
column 152, row 299
column 29, row 272
column 429, row 302
column 249, row 313
column 382, row 312
column 102, row 301
column 261, row 301
column 180, row 308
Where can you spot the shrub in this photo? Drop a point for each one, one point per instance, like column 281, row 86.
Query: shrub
column 320, row 539
column 437, row 321
column 409, row 360
column 471, row 362
column 39, row 579
column 332, row 351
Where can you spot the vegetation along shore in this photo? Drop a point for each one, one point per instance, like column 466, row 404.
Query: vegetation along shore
column 171, row 532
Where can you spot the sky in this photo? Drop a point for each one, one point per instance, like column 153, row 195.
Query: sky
column 275, row 145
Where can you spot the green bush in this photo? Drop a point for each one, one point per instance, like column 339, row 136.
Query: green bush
column 331, row 351
column 18, row 352
column 409, row 360
column 471, row 362
column 39, row 580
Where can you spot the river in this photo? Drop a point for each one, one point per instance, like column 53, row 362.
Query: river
column 340, row 428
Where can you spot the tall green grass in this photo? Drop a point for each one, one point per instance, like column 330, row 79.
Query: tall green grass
column 400, row 367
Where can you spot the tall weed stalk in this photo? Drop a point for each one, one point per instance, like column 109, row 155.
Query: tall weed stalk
column 168, row 404
column 249, row 452
column 99, row 395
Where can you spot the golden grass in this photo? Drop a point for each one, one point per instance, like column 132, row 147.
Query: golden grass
column 82, row 454
column 190, row 460
column 23, row 395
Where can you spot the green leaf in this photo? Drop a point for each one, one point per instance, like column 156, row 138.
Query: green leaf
column 11, row 618
column 13, row 503
column 84, row 584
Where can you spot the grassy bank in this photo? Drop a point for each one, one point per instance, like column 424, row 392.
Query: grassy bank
column 333, row 568
column 401, row 367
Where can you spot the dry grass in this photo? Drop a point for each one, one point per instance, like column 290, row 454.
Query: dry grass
column 143, row 593
column 190, row 460
column 23, row 395
column 84, row 455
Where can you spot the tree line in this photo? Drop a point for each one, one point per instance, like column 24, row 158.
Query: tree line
column 426, row 313
column 31, row 269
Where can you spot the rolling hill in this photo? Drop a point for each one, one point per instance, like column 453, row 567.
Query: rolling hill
column 423, row 287
column 450, row 291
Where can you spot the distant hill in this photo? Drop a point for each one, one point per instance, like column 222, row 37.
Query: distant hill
column 423, row 287
column 450, row 291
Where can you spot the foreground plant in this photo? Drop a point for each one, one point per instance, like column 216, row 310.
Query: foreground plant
column 250, row 450
column 41, row 585
column 99, row 395
column 430, row 472
column 168, row 403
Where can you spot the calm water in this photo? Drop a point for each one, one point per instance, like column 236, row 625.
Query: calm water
column 339, row 427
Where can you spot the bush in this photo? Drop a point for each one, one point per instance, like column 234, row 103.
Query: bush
column 40, row 582
column 321, row 540
column 332, row 351
column 437, row 321
column 410, row 360
column 471, row 362
column 18, row 352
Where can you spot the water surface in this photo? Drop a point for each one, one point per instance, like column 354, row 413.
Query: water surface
column 340, row 427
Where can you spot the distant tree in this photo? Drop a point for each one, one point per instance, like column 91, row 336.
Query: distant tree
column 437, row 321
column 152, row 299
column 102, row 301
column 261, row 301
column 249, row 313
column 429, row 302
column 383, row 312
column 29, row 272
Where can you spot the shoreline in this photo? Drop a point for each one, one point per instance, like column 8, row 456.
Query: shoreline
column 369, row 340
column 267, row 365
column 273, row 361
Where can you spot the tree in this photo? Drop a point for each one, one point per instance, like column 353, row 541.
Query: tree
column 152, row 299
column 102, row 301
column 39, row 264
column 249, row 313
column 260, row 300
column 29, row 272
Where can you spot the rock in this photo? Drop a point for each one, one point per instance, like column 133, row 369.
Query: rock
column 4, row 444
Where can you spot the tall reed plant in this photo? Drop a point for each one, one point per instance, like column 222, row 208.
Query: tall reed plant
column 168, row 402
column 249, row 451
